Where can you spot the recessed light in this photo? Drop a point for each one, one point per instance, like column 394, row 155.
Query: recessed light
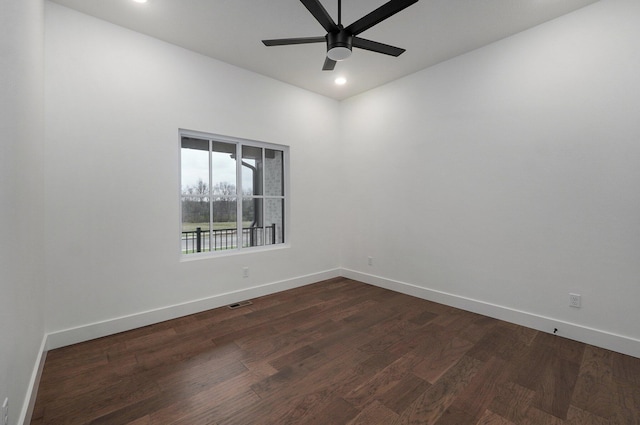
column 341, row 81
column 141, row 1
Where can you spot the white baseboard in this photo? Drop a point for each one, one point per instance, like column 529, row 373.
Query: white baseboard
column 34, row 382
column 596, row 337
column 120, row 324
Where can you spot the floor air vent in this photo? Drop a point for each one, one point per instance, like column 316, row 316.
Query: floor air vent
column 240, row 304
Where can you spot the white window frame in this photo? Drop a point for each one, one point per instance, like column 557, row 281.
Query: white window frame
column 239, row 143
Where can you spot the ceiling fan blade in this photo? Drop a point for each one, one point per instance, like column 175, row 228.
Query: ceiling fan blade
column 329, row 64
column 287, row 41
column 374, row 46
column 380, row 14
column 320, row 13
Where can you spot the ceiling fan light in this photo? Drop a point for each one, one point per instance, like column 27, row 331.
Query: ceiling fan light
column 339, row 53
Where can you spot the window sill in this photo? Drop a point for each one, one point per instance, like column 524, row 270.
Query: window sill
column 232, row 252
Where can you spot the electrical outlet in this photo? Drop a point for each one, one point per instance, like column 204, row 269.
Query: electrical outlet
column 370, row 261
column 245, row 272
column 575, row 300
column 5, row 412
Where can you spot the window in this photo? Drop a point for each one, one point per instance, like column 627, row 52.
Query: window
column 233, row 193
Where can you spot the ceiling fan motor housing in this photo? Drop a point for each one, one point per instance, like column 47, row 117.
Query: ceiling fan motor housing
column 339, row 44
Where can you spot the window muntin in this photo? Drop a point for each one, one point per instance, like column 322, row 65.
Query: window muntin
column 229, row 205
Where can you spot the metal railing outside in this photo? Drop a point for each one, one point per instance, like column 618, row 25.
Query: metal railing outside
column 200, row 240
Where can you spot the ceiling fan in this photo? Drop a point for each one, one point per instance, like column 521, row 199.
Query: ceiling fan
column 340, row 40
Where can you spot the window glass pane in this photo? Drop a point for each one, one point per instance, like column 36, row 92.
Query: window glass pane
column 223, row 172
column 194, row 156
column 274, row 221
column 225, row 229
column 273, row 173
column 252, row 233
column 195, row 224
column 251, row 171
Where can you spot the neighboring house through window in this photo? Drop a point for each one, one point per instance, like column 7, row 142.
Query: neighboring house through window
column 233, row 193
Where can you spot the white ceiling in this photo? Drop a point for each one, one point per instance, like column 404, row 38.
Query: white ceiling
column 432, row 31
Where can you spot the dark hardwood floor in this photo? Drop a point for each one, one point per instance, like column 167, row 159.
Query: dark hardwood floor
column 337, row 352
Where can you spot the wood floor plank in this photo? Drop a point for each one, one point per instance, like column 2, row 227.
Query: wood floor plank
column 455, row 416
column 405, row 392
column 527, row 366
column 337, row 352
column 176, row 350
column 499, row 341
column 293, row 357
column 627, row 398
column 419, row 344
column 320, row 409
column 594, row 390
column 578, row 416
column 213, row 415
column 536, row 417
column 281, row 400
column 374, row 413
column 145, row 420
column 391, row 331
column 194, row 380
column 625, row 369
column 64, row 383
column 512, row 402
column 430, row 406
column 490, row 418
column 478, row 395
column 133, row 412
column 92, row 405
column 440, row 357
column 216, row 398
column 556, row 388
column 382, row 382
column 423, row 317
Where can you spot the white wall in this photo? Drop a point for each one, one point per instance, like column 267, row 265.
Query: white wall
column 499, row 181
column 21, row 197
column 509, row 176
column 115, row 100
